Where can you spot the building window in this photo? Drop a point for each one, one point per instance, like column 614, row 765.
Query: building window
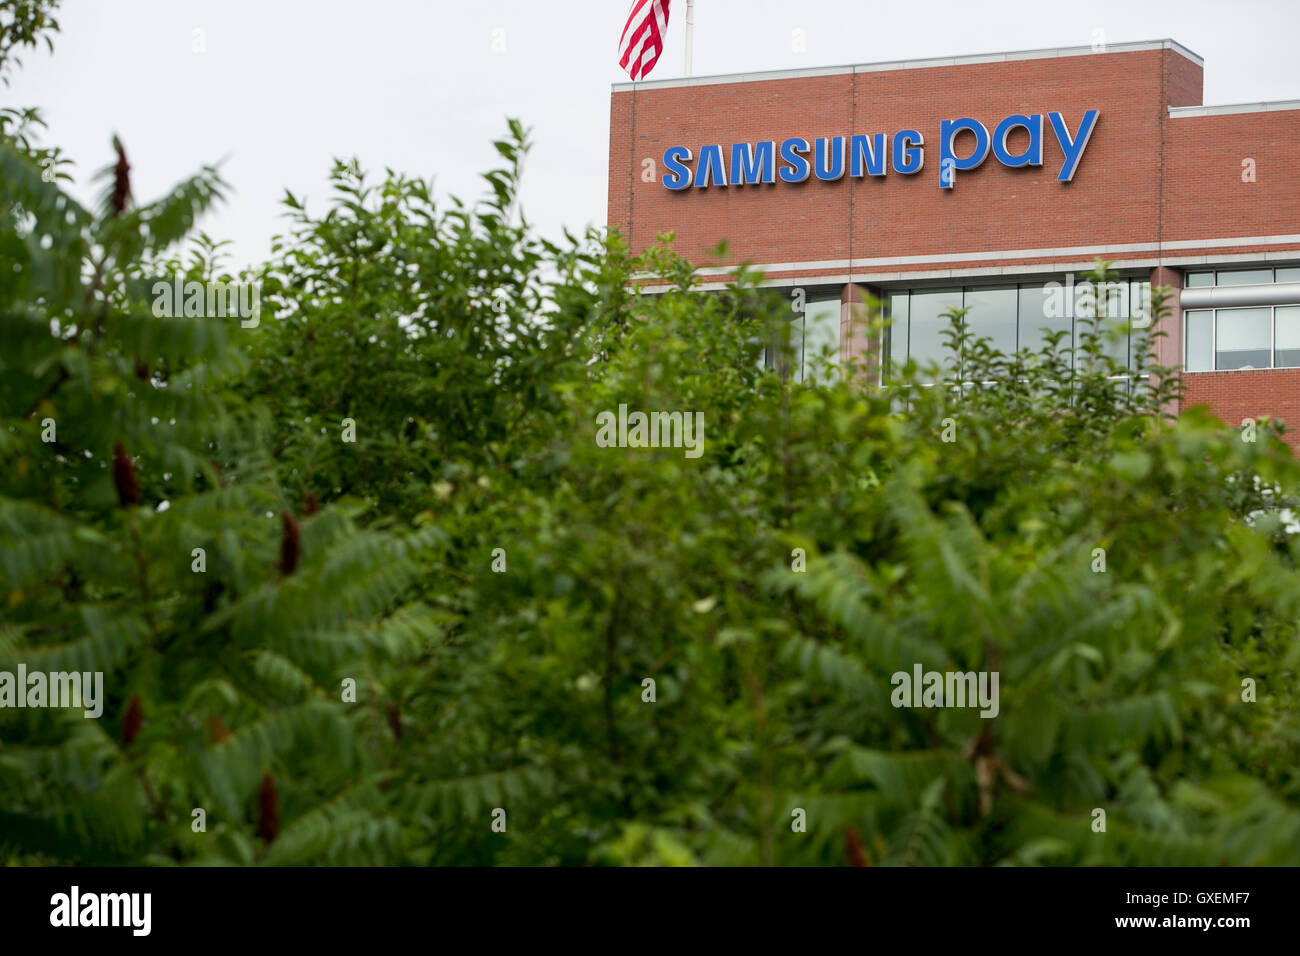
column 1106, row 310
column 1199, row 341
column 1243, row 338
column 1247, row 336
column 820, row 354
column 1039, row 318
column 897, row 334
column 1016, row 318
column 1245, row 277
column 1199, row 280
column 925, row 339
column 1228, row 339
column 991, row 314
column 814, row 343
column 1286, row 336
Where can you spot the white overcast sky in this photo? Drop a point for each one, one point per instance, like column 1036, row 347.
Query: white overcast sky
column 285, row 85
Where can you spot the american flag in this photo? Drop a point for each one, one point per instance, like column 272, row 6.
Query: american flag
column 643, row 37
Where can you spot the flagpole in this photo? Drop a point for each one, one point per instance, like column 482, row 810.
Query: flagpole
column 690, row 32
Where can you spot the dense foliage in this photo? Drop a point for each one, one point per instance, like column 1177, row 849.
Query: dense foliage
column 498, row 587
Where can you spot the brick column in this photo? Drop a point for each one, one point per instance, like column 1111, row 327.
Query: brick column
column 1169, row 349
column 861, row 305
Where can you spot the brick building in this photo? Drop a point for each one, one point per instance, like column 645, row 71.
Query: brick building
column 990, row 182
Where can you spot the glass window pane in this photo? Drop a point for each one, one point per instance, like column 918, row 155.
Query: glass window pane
column 1138, row 347
column 928, row 323
column 1287, row 345
column 1114, row 338
column 1290, row 274
column 1091, row 316
column 1199, row 345
column 1042, row 311
column 1085, row 299
column 1246, row 277
column 898, row 330
column 992, row 315
column 821, row 341
column 1196, row 280
column 1139, row 305
column 1243, row 338
column 1140, row 309
column 784, row 353
column 1112, row 299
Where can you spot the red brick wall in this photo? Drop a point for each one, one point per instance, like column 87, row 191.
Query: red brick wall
column 1186, row 81
column 1205, row 194
column 1234, row 396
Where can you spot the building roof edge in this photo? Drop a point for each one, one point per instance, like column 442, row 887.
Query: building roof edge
column 965, row 60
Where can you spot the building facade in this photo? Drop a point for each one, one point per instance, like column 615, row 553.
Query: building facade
column 994, row 183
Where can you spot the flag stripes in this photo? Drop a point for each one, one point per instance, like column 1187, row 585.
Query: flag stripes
column 642, row 41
